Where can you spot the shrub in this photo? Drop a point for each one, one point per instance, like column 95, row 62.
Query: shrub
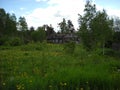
column 69, row 47
column 3, row 40
column 109, row 52
column 15, row 41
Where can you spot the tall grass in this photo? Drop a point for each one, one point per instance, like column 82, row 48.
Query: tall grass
column 47, row 67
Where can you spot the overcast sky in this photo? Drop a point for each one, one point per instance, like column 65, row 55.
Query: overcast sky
column 39, row 12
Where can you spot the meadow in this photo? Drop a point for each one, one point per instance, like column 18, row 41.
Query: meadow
column 42, row 66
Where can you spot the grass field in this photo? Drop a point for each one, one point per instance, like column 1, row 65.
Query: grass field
column 48, row 67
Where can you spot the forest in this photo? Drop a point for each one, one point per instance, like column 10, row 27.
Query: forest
column 96, row 28
column 41, row 59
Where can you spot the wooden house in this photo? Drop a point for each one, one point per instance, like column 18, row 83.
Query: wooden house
column 62, row 38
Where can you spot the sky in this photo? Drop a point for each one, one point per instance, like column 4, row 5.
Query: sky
column 40, row 12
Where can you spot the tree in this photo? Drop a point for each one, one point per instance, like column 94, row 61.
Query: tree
column 70, row 26
column 39, row 35
column 49, row 30
column 66, row 27
column 63, row 26
column 32, row 29
column 117, row 24
column 116, row 37
column 22, row 24
column 2, row 21
column 101, row 29
column 95, row 27
column 84, row 25
column 10, row 26
column 23, row 27
column 42, row 34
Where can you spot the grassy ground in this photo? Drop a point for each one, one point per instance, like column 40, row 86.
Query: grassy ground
column 48, row 67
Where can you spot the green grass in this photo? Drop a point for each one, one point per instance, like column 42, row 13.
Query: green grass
column 48, row 67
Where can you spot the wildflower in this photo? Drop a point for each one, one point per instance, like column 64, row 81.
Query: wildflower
column 87, row 82
column 50, row 86
column 3, row 84
column 65, row 84
column 81, row 88
column 18, row 87
column 30, row 81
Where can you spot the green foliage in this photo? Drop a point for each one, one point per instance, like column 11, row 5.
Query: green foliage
column 63, row 26
column 116, row 37
column 80, row 52
column 7, row 24
column 16, row 41
column 69, row 47
column 22, row 24
column 39, row 35
column 33, row 47
column 101, row 27
column 117, row 24
column 95, row 27
column 112, row 53
column 3, row 40
column 2, row 21
column 84, row 23
column 66, row 27
column 10, row 27
column 52, row 69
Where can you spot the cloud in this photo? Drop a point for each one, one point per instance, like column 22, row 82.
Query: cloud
column 110, row 11
column 22, row 8
column 40, row 0
column 113, row 12
column 12, row 11
column 57, row 10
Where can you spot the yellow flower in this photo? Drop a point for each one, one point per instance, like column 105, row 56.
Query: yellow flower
column 30, row 81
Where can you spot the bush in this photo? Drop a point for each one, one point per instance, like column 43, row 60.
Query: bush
column 109, row 52
column 69, row 47
column 3, row 40
column 15, row 41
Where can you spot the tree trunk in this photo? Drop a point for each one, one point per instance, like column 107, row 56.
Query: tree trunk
column 103, row 49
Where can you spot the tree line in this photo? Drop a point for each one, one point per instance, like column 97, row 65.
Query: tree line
column 15, row 32
column 96, row 29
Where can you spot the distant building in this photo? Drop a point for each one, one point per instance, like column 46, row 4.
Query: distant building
column 116, row 46
column 53, row 37
column 63, row 38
